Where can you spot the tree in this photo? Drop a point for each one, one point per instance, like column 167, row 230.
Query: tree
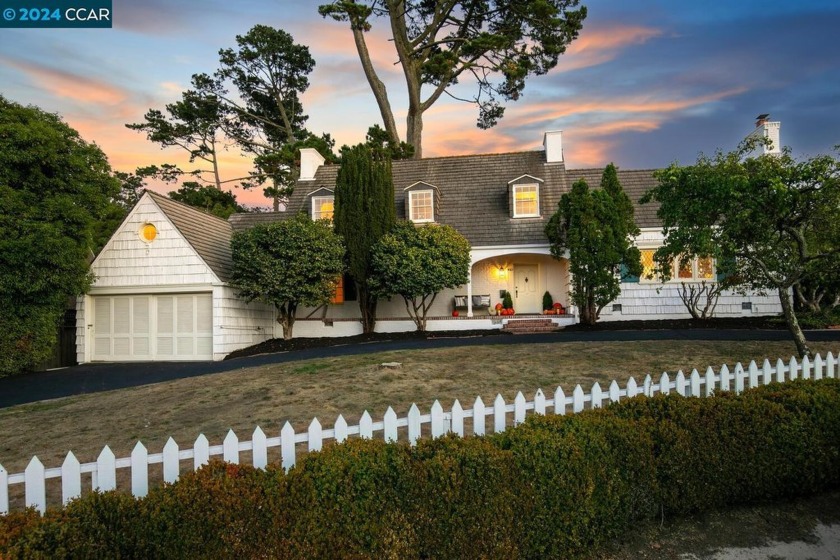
column 774, row 218
column 54, row 187
column 496, row 43
column 210, row 199
column 193, row 124
column 417, row 263
column 594, row 230
column 287, row 264
column 270, row 72
column 364, row 212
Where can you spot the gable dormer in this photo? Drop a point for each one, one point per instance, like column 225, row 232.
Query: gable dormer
column 321, row 204
column 524, row 196
column 422, row 202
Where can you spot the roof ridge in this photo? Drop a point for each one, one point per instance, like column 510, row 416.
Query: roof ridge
column 464, row 156
column 186, row 206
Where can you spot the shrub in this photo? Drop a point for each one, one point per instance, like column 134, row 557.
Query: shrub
column 507, row 301
column 548, row 301
column 591, row 474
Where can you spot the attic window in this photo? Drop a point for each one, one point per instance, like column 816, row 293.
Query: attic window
column 322, row 207
column 526, row 201
column 148, row 233
column 421, row 206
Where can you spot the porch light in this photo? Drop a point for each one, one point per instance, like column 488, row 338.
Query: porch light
column 501, row 271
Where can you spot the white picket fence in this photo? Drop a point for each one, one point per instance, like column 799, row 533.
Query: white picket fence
column 104, row 471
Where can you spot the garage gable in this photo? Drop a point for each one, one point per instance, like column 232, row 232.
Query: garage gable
column 149, row 250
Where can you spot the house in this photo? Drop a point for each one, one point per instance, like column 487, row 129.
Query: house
column 162, row 292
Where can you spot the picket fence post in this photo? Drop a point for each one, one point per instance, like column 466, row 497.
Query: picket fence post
column 725, row 378
column 767, row 372
column 478, row 417
column 106, row 470
column 457, row 418
column 710, row 382
column 390, row 425
column 366, row 426
column 519, row 409
column 140, row 471
column 71, row 478
column 739, row 378
column 201, row 452
column 819, row 366
column 287, row 446
column 753, row 374
column 413, row 424
column 632, row 388
column 597, row 395
column 695, row 383
column 780, row 371
column 230, row 448
column 4, row 491
column 680, row 383
column 539, row 402
column 437, row 419
column 665, row 384
column 831, row 364
column 315, row 436
column 577, row 399
column 340, row 429
column 259, row 450
column 806, row 368
column 794, row 369
column 171, row 461
column 559, row 401
column 615, row 391
column 36, row 490
column 499, row 414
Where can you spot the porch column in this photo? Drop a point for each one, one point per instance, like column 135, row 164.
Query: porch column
column 469, row 292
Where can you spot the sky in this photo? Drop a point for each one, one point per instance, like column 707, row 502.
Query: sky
column 647, row 83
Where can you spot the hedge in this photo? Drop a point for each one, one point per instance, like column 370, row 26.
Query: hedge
column 554, row 487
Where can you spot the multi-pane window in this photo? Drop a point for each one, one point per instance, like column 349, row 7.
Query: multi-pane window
column 526, row 202
column 338, row 292
column 683, row 270
column 421, row 206
column 322, row 207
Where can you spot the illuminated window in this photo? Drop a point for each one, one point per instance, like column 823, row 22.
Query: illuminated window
column 526, row 201
column 323, row 207
column 683, row 270
column 338, row 292
column 421, row 206
column 648, row 264
column 148, row 233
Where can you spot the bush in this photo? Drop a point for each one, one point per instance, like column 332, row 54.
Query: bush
column 548, row 301
column 554, row 487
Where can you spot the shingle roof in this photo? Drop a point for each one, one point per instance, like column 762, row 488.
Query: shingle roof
column 635, row 182
column 209, row 235
column 474, row 194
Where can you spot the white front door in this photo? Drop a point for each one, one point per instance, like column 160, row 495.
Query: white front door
column 526, row 296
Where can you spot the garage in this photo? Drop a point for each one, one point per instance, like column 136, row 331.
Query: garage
column 152, row 327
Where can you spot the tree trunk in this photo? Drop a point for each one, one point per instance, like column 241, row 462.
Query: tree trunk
column 414, row 128
column 380, row 93
column 793, row 324
column 286, row 318
column 367, row 306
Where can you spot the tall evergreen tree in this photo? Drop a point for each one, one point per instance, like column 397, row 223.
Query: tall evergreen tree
column 595, row 228
column 364, row 212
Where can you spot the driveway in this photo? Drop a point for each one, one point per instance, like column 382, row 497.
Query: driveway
column 92, row 378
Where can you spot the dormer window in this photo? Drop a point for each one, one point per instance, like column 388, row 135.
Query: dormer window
column 526, row 201
column 323, row 207
column 421, row 206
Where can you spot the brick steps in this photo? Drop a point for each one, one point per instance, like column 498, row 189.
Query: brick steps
column 530, row 326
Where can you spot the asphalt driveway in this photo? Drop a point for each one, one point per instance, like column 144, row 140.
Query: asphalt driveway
column 92, row 378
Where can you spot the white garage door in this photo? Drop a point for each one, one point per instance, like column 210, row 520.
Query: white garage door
column 153, row 327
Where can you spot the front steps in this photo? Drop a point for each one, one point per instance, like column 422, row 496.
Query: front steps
column 530, row 325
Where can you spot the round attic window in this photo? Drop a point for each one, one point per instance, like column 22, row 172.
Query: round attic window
column 148, row 233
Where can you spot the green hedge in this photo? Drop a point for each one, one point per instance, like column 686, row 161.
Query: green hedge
column 555, row 487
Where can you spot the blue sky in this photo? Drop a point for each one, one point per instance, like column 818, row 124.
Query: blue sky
column 647, row 83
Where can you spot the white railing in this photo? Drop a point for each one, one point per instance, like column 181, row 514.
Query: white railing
column 104, row 470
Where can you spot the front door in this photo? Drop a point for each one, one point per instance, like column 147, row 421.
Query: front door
column 526, row 296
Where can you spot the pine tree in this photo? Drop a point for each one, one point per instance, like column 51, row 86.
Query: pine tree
column 364, row 212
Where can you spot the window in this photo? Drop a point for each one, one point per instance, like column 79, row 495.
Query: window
column 526, row 201
column 421, row 206
column 322, row 207
column 148, row 233
column 683, row 270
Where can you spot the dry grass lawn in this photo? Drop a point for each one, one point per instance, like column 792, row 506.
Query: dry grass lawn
column 268, row 396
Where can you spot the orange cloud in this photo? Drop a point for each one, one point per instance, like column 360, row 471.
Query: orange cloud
column 596, row 45
column 68, row 85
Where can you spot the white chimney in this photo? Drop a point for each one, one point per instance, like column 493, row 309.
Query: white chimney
column 310, row 161
column 769, row 130
column 553, row 142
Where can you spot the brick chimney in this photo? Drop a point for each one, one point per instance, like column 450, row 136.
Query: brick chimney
column 310, row 161
column 553, row 142
column 764, row 128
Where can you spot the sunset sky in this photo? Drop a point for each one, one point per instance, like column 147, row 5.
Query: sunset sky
column 647, row 82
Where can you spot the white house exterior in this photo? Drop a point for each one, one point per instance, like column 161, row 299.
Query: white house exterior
column 160, row 291
column 165, row 295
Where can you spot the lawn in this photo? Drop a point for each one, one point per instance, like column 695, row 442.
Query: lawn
column 268, row 396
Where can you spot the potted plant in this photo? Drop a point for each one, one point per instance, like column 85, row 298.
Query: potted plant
column 548, row 304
